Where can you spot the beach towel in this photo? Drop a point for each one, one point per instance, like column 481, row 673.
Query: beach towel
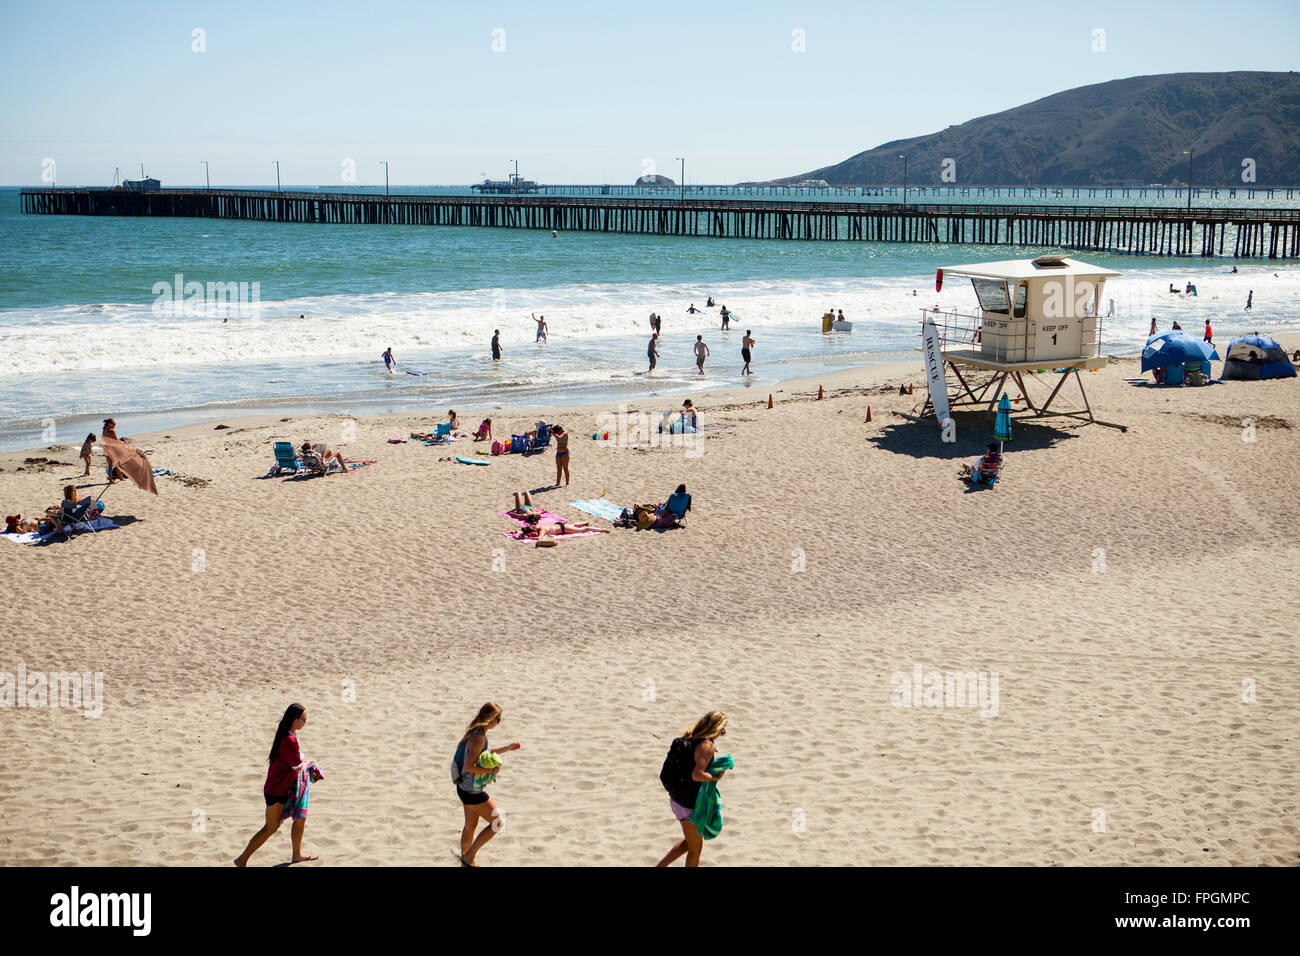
column 545, row 517
column 354, row 463
column 31, row 537
column 295, row 808
column 707, row 815
column 489, row 760
column 599, row 507
column 164, row 473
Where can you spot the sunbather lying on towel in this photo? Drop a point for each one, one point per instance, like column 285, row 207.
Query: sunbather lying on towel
column 526, row 511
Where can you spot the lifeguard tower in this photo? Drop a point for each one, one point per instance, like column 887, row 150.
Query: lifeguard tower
column 1034, row 315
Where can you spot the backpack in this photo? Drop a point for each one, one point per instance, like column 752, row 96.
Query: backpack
column 677, row 769
column 497, row 448
column 645, row 517
column 458, row 766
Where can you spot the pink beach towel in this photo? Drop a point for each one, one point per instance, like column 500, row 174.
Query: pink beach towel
column 545, row 517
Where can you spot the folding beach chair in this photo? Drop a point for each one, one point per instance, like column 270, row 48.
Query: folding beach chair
column 313, row 462
column 540, row 441
column 672, row 512
column 286, row 459
column 74, row 516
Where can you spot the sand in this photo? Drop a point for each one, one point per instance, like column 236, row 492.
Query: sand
column 1128, row 589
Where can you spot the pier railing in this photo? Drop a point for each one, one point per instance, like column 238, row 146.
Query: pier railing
column 1158, row 230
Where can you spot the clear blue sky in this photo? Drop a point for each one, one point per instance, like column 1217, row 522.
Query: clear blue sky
column 583, row 92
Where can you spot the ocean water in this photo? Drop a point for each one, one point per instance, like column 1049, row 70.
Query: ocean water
column 95, row 319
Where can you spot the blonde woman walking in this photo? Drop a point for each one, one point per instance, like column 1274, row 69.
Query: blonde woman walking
column 684, row 769
column 471, row 782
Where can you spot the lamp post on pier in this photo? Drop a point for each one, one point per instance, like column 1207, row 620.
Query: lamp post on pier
column 207, row 174
column 384, row 163
column 1188, row 153
column 277, row 174
column 904, row 159
column 683, row 162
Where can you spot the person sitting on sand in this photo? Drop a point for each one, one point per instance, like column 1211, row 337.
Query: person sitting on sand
column 986, row 467
column 281, row 777
column 326, row 455
column 690, row 421
column 452, row 420
column 484, row 432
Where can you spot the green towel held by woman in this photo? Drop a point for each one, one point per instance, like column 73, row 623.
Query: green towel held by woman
column 487, row 759
column 707, row 816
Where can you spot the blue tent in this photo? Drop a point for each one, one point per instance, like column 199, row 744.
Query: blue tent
column 1175, row 348
column 1256, row 356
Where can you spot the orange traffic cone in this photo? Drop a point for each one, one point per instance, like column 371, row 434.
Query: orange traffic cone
column 769, row 399
column 909, row 388
column 820, row 393
column 868, row 413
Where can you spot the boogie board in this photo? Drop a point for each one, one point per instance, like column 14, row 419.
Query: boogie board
column 414, row 371
column 469, row 461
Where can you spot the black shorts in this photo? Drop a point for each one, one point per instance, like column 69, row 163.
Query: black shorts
column 744, row 353
column 472, row 799
column 272, row 801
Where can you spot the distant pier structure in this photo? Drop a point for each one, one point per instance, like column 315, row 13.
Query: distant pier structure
column 1272, row 233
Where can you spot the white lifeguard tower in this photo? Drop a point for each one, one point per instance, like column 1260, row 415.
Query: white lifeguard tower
column 1034, row 315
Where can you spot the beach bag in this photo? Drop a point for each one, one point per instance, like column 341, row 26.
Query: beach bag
column 497, row 448
column 645, row 517
column 675, row 775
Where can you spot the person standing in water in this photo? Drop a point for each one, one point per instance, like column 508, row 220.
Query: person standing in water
column 652, row 351
column 471, row 781
column 701, row 352
column 1209, row 333
column 496, row 346
column 1250, row 299
column 693, row 311
column 388, row 359
column 684, row 769
column 541, row 328
column 746, row 344
column 281, row 775
column 726, row 319
column 1153, row 327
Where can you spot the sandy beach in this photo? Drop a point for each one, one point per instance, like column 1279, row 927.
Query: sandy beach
column 1132, row 591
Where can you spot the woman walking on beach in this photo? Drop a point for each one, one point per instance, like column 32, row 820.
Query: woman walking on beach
column 285, row 760
column 684, row 770
column 471, row 779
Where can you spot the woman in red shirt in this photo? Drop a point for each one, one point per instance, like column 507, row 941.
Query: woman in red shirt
column 285, row 759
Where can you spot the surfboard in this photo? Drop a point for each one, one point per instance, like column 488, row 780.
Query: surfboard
column 414, row 371
column 469, row 461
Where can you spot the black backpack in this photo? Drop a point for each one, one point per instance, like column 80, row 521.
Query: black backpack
column 677, row 769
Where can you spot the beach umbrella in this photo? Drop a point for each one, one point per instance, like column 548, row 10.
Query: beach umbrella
column 1002, row 426
column 131, row 461
column 1175, row 348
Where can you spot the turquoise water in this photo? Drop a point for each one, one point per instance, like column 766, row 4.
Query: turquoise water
column 85, row 331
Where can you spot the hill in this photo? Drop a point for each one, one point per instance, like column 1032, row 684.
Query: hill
column 1132, row 130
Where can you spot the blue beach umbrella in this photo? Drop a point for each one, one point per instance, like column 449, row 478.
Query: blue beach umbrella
column 1002, row 426
column 1175, row 348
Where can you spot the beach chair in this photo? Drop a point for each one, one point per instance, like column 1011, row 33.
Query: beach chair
column 540, row 441
column 313, row 463
column 74, row 516
column 286, row 459
column 672, row 512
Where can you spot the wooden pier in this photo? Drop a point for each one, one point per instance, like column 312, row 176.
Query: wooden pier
column 1151, row 230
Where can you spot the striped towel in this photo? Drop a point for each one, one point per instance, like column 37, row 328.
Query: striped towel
column 355, row 463
column 599, row 507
